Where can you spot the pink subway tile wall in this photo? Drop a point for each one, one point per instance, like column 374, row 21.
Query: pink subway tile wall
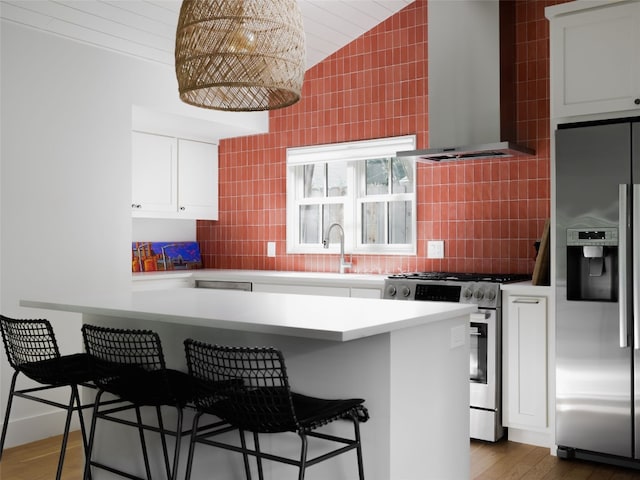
column 488, row 212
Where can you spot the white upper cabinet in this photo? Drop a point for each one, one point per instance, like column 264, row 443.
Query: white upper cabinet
column 595, row 57
column 174, row 178
column 155, row 173
column 197, row 180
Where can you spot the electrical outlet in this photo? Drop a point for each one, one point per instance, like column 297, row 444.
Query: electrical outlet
column 271, row 249
column 435, row 249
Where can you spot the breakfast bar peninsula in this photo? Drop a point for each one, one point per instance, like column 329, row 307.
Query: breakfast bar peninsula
column 408, row 360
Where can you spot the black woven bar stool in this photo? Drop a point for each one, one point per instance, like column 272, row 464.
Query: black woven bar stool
column 249, row 389
column 32, row 350
column 130, row 364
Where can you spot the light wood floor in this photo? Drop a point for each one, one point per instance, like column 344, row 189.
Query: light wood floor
column 517, row 461
column 39, row 460
column 501, row 461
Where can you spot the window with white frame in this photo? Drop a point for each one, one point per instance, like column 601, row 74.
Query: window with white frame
column 363, row 187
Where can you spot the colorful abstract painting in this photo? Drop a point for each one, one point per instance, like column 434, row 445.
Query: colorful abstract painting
column 165, row 256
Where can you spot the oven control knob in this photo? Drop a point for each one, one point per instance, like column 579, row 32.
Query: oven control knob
column 405, row 291
column 391, row 291
column 491, row 294
column 467, row 293
column 479, row 294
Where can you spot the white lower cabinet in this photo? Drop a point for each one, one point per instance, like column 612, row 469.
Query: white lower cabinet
column 332, row 291
column 159, row 283
column 525, row 378
column 366, row 292
column 301, row 289
column 262, row 283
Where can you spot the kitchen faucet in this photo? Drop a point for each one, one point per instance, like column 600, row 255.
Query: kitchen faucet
column 325, row 243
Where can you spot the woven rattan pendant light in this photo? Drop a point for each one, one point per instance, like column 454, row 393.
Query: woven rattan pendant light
column 240, row 55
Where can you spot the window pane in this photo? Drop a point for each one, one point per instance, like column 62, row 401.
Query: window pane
column 377, row 176
column 402, row 175
column 314, row 180
column 333, row 214
column 373, row 222
column 337, row 179
column 373, row 199
column 400, row 222
column 310, row 224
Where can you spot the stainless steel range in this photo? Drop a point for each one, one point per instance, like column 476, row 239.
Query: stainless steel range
column 485, row 363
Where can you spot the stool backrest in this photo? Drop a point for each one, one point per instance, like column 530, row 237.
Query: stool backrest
column 250, row 387
column 116, row 352
column 29, row 344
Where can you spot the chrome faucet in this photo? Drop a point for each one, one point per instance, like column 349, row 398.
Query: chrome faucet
column 325, row 243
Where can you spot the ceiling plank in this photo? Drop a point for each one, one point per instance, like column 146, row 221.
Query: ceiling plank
column 146, row 28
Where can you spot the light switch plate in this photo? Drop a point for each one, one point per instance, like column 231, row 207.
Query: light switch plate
column 435, row 249
column 271, row 249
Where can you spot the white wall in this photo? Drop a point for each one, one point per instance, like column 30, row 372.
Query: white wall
column 65, row 175
column 65, row 161
column 163, row 230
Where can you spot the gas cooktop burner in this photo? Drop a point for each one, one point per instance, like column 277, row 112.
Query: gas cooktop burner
column 465, row 277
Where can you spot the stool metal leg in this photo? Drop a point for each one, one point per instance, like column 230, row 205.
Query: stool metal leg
column 83, row 429
column 245, row 456
column 74, row 404
column 192, row 444
column 145, row 455
column 163, row 440
column 92, row 431
column 303, row 456
column 256, row 442
column 356, row 428
column 65, row 435
column 5, row 424
column 79, row 407
column 176, row 455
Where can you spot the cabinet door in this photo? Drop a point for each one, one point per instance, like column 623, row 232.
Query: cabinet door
column 525, row 362
column 595, row 61
column 154, row 175
column 197, row 180
column 161, row 284
column 366, row 292
column 301, row 289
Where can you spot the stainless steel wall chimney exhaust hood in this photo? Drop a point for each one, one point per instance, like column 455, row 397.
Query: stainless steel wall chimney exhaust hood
column 470, row 152
column 472, row 94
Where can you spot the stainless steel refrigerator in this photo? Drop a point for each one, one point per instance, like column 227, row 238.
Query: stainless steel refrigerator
column 597, row 288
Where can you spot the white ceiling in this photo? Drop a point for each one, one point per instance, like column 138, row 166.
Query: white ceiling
column 146, row 28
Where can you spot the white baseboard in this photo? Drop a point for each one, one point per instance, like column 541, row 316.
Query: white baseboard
column 530, row 437
column 33, row 428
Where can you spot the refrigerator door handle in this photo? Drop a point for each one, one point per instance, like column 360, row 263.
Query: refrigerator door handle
column 623, row 197
column 636, row 265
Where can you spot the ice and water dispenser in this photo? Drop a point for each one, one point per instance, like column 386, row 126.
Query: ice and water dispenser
column 592, row 264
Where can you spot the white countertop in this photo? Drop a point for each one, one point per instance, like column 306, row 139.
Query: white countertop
column 271, row 276
column 319, row 317
column 526, row 288
column 309, row 278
